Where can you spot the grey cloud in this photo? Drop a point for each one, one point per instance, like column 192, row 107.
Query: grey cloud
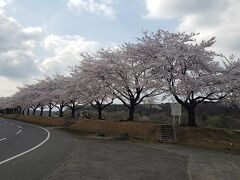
column 17, row 59
column 219, row 18
column 17, row 65
column 178, row 8
column 14, row 36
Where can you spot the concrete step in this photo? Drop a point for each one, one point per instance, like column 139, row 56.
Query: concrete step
column 167, row 133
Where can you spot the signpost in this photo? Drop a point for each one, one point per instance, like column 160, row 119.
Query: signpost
column 176, row 111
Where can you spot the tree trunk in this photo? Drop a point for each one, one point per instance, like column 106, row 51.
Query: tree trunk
column 99, row 108
column 50, row 112
column 100, row 113
column 131, row 112
column 61, row 106
column 61, row 111
column 73, row 109
column 41, row 113
column 34, row 111
column 73, row 112
column 191, row 117
column 28, row 111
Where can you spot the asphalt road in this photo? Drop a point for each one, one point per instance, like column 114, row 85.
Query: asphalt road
column 49, row 154
column 66, row 157
column 98, row 159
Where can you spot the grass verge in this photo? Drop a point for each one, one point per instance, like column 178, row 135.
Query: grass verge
column 38, row 120
column 214, row 139
column 133, row 129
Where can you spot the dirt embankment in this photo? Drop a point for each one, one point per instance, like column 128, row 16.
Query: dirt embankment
column 133, row 129
column 216, row 139
column 38, row 120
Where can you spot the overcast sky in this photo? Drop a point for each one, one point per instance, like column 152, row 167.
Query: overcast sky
column 39, row 38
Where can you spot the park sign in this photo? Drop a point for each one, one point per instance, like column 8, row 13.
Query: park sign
column 176, row 109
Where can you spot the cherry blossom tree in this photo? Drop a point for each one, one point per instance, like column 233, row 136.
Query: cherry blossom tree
column 30, row 96
column 166, row 63
column 99, row 94
column 18, row 100
column 57, row 94
column 46, row 88
column 232, row 79
column 73, row 93
column 190, row 70
column 125, row 71
column 4, row 104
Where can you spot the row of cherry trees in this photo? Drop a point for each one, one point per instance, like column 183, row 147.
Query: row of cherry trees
column 160, row 64
column 57, row 92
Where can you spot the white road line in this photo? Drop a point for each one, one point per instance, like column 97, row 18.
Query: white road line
column 3, row 139
column 35, row 147
column 19, row 127
column 19, row 131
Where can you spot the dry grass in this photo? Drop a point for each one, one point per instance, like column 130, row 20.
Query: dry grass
column 217, row 139
column 134, row 129
column 39, row 120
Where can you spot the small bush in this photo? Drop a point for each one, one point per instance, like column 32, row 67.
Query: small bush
column 215, row 121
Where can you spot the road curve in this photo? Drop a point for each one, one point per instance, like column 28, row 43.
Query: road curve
column 64, row 157
column 28, row 152
column 16, row 138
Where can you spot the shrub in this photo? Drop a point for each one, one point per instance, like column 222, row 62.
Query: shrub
column 217, row 121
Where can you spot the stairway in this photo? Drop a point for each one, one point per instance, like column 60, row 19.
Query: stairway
column 167, row 133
